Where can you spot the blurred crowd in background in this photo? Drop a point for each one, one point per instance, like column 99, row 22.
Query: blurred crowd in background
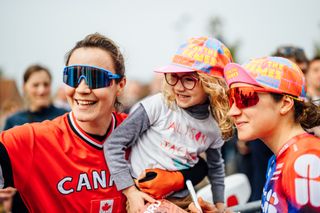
column 38, row 103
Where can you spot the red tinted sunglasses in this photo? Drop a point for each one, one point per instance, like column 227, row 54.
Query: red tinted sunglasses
column 244, row 97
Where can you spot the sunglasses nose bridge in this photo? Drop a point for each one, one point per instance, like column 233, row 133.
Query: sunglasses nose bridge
column 83, row 85
column 84, row 78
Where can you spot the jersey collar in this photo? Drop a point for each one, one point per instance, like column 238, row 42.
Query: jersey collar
column 291, row 141
column 87, row 138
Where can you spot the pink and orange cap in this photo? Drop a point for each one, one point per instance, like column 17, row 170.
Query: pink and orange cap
column 276, row 74
column 200, row 54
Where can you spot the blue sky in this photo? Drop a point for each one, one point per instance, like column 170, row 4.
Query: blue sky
column 148, row 31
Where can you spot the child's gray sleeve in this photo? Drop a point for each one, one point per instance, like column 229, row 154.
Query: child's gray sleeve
column 216, row 174
column 118, row 142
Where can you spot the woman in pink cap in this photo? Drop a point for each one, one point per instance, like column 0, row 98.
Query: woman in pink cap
column 267, row 101
column 169, row 130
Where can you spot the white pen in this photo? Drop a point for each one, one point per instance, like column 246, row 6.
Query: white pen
column 193, row 195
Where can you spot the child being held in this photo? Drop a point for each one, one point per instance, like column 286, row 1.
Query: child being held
column 170, row 129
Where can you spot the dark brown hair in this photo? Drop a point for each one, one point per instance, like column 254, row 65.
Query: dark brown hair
column 33, row 69
column 305, row 113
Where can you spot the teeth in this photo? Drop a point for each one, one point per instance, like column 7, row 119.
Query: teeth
column 85, row 102
column 183, row 96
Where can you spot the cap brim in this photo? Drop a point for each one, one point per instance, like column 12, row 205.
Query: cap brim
column 234, row 73
column 173, row 68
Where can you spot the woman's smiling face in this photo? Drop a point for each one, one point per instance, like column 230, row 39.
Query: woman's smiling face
column 92, row 105
column 256, row 121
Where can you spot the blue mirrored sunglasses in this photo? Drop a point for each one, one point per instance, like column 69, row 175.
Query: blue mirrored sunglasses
column 95, row 77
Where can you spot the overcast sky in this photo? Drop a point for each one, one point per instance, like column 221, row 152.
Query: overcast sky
column 148, row 31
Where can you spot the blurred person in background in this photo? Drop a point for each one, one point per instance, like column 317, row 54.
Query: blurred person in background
column 294, row 54
column 156, row 84
column 136, row 91
column 8, row 108
column 37, row 92
column 313, row 80
column 60, row 99
column 313, row 85
column 10, row 99
column 133, row 92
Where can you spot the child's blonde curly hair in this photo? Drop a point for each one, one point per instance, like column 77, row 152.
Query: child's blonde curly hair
column 216, row 89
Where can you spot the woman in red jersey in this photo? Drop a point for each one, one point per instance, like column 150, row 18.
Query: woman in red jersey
column 58, row 165
column 267, row 98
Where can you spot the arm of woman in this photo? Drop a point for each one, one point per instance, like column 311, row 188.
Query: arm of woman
column 6, row 180
column 6, row 176
column 124, row 136
column 115, row 148
column 14, row 140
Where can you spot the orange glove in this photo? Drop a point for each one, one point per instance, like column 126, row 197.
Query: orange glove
column 160, row 183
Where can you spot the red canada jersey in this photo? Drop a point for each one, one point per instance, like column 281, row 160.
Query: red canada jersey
column 57, row 167
column 293, row 177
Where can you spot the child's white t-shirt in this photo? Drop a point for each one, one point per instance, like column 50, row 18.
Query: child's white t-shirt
column 174, row 139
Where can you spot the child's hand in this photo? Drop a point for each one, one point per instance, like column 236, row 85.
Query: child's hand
column 6, row 196
column 7, row 193
column 136, row 199
column 160, row 183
